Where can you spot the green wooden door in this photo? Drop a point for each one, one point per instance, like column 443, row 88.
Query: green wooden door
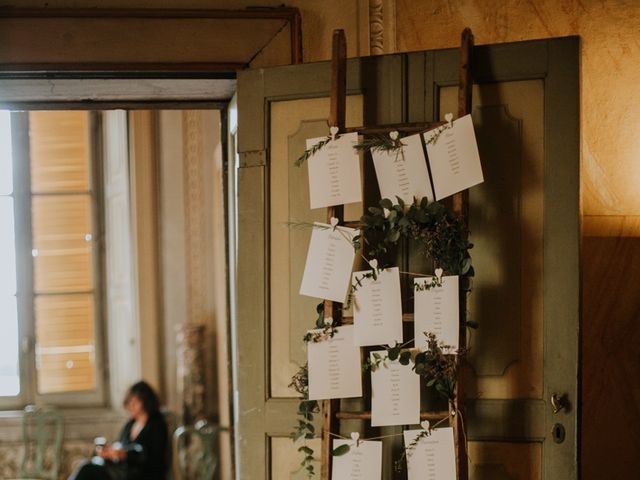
column 524, row 220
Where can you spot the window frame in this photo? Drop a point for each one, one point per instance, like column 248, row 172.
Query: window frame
column 25, row 294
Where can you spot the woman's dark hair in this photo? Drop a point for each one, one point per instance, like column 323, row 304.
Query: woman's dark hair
column 146, row 394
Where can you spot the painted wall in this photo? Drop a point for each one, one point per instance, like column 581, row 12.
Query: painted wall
column 610, row 72
column 610, row 63
column 610, row 117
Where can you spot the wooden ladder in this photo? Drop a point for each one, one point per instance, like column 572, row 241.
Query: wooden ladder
column 331, row 414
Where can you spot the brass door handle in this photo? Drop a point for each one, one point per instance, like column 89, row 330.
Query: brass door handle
column 559, row 402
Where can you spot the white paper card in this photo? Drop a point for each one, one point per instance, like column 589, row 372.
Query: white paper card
column 395, row 394
column 335, row 367
column 433, row 458
column 377, row 308
column 454, row 158
column 362, row 462
column 404, row 172
column 437, row 311
column 334, row 172
column 329, row 263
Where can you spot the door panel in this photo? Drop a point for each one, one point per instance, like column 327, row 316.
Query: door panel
column 507, row 233
column 292, row 122
column 524, row 221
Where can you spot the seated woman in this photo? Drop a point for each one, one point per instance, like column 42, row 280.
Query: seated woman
column 142, row 452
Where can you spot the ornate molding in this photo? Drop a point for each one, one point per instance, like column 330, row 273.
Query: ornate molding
column 195, row 226
column 376, row 27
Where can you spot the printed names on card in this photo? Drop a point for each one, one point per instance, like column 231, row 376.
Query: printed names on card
column 334, row 172
column 329, row 263
column 395, row 394
column 434, row 457
column 454, row 159
column 335, row 366
column 437, row 311
column 403, row 172
column 362, row 462
column 377, row 307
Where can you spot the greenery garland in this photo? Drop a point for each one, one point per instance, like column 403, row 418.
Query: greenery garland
column 443, row 234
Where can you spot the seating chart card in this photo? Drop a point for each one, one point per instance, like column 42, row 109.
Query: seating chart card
column 404, row 172
column 334, row 172
column 362, row 462
column 335, row 366
column 454, row 159
column 434, row 457
column 329, row 262
column 437, row 311
column 395, row 394
column 377, row 307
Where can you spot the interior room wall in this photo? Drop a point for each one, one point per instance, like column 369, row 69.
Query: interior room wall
column 610, row 144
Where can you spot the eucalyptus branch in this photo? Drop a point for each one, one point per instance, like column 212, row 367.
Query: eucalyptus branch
column 310, row 152
column 408, row 450
column 320, row 335
column 358, row 281
column 425, row 286
column 391, row 354
column 379, row 142
column 305, row 429
column 435, row 134
column 438, row 366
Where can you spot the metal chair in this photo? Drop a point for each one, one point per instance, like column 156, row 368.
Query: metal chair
column 42, row 432
column 195, row 451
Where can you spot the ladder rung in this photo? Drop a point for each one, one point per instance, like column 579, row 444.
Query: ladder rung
column 399, row 127
column 431, row 416
column 406, row 317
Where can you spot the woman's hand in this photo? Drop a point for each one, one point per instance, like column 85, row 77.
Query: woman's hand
column 118, row 454
column 115, row 454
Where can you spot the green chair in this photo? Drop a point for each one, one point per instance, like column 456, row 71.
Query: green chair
column 42, row 431
column 195, row 451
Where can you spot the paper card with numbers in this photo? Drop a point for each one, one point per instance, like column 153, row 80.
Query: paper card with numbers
column 362, row 462
column 454, row 160
column 403, row 173
column 395, row 393
column 334, row 172
column 335, row 366
column 433, row 457
column 377, row 307
column 329, row 262
column 436, row 310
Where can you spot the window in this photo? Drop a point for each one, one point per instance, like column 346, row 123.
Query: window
column 49, row 248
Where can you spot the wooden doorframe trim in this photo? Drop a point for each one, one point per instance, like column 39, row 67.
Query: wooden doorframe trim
column 290, row 15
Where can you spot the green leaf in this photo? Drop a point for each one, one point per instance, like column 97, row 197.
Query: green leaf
column 393, row 353
column 341, row 450
column 306, row 450
column 386, row 203
column 405, row 358
column 393, row 236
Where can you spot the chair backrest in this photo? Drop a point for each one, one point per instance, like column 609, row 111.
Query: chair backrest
column 42, row 432
column 195, row 452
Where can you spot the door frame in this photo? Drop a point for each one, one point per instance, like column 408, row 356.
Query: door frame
column 556, row 63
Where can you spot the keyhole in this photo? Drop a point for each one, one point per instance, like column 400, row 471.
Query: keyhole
column 558, row 433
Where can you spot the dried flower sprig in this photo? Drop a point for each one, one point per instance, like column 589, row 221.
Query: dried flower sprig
column 310, row 152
